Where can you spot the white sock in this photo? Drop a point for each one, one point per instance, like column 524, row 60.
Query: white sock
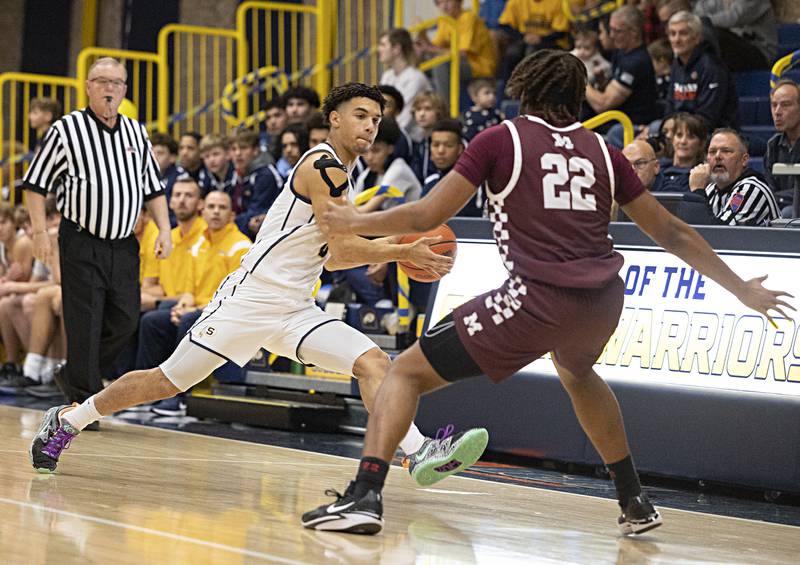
column 413, row 440
column 83, row 415
column 32, row 368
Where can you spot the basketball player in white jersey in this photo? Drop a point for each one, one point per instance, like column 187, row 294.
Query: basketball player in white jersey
column 268, row 301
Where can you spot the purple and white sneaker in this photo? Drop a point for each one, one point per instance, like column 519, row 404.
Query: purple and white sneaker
column 52, row 438
column 446, row 454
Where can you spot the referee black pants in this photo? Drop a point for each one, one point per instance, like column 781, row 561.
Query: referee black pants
column 101, row 300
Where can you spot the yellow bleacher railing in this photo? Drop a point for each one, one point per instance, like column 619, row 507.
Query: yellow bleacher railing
column 452, row 58
column 613, row 116
column 194, row 62
column 781, row 65
column 594, row 13
column 142, row 77
column 16, row 137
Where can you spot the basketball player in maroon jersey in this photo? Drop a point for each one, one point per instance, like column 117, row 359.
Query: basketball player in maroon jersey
column 552, row 184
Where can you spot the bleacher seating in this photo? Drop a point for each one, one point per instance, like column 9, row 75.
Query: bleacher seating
column 757, row 164
column 788, row 39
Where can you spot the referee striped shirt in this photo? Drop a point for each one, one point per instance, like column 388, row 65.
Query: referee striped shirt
column 101, row 175
column 749, row 202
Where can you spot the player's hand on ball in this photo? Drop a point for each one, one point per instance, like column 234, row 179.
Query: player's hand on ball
column 421, row 255
column 763, row 300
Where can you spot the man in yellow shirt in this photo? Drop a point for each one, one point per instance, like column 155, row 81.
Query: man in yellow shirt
column 217, row 252
column 478, row 57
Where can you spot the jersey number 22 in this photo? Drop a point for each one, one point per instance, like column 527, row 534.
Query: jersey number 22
column 578, row 172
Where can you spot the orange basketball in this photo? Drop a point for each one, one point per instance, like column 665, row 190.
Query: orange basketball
column 447, row 246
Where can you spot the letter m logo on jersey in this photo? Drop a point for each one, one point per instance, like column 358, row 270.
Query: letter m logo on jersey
column 562, row 141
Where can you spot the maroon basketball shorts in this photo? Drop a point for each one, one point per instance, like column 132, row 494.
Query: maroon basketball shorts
column 500, row 332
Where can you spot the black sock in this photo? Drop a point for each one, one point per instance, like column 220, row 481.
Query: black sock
column 626, row 480
column 371, row 475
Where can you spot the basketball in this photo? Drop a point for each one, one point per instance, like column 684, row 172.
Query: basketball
column 447, row 246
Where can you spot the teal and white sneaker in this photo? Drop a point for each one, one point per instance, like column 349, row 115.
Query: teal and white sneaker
column 50, row 440
column 446, row 454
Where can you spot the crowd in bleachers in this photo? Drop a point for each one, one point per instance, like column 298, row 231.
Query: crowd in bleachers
column 675, row 67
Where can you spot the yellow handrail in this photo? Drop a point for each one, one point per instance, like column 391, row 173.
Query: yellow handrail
column 781, row 65
column 454, row 58
column 590, row 14
column 613, row 116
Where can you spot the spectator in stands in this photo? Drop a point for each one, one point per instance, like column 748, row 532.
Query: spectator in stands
column 447, row 145
column 396, row 54
column 632, row 89
column 661, row 55
column 47, row 346
column 217, row 171
column 427, row 108
column 30, row 276
column 598, row 69
column 301, row 101
column 395, row 105
column 688, row 143
column 167, row 279
column 216, row 253
column 653, row 30
column 643, row 159
column 737, row 195
column 604, row 37
column 16, row 250
column 701, row 84
column 477, row 51
column 783, row 147
column 43, row 112
column 165, row 150
column 530, row 25
column 483, row 113
column 396, row 180
column 293, row 143
column 275, row 122
column 318, row 129
column 252, row 189
column 745, row 30
column 189, row 159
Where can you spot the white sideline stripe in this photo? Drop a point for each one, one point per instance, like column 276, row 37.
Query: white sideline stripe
column 150, row 531
column 189, row 459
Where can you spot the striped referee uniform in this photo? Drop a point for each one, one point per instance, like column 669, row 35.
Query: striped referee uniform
column 101, row 177
column 748, row 202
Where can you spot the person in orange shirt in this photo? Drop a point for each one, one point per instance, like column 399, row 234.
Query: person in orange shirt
column 478, row 56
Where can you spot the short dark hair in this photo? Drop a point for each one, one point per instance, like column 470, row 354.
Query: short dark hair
column 396, row 95
column 197, row 137
column 245, row 138
column 786, row 82
column 341, row 94
column 481, row 82
column 660, row 50
column 388, row 132
column 161, row 138
column 449, row 125
column 317, row 121
column 47, row 105
column 303, row 92
column 549, row 83
column 277, row 102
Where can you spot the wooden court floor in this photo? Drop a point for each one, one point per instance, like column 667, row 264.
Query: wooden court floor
column 133, row 494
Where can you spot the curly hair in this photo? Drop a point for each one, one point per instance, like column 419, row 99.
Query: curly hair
column 341, row 94
column 550, row 84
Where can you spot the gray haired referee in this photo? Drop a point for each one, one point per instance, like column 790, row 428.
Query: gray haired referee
column 101, row 166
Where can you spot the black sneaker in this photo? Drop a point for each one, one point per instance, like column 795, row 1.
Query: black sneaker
column 347, row 514
column 639, row 516
column 15, row 385
column 48, row 390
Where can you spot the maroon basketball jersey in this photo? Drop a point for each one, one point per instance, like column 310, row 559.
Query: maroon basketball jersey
column 549, row 199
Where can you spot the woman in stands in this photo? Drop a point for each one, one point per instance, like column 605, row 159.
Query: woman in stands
column 688, row 143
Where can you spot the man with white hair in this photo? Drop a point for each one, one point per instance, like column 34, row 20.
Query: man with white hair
column 701, row 84
column 737, row 195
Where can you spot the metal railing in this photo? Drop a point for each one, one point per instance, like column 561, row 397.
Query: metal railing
column 613, row 116
column 452, row 58
column 781, row 65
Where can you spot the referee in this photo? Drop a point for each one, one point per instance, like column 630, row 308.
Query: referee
column 101, row 166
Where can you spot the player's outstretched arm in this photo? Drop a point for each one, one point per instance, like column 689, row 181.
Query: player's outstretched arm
column 438, row 206
column 348, row 250
column 682, row 240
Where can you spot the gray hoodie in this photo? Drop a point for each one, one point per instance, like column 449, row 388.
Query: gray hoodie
column 753, row 20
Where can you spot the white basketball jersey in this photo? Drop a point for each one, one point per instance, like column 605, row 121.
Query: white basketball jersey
column 290, row 248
